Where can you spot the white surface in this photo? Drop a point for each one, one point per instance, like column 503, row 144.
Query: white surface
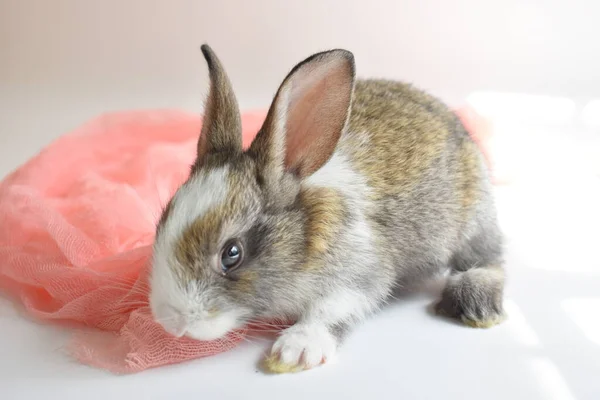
column 65, row 61
column 549, row 348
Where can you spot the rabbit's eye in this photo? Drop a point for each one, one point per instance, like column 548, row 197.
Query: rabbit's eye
column 231, row 256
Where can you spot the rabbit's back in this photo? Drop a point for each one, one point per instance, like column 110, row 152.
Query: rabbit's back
column 427, row 181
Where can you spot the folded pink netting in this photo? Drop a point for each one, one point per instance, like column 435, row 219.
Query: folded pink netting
column 76, row 227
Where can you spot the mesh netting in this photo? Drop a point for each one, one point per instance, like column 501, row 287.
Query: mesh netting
column 76, row 228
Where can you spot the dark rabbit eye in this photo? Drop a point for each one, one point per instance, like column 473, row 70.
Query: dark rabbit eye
column 231, row 256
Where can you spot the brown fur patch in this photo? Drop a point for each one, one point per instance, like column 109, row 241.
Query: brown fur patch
column 199, row 239
column 325, row 217
column 406, row 130
column 468, row 175
column 245, row 280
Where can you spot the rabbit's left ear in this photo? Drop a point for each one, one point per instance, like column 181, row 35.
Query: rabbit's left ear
column 307, row 117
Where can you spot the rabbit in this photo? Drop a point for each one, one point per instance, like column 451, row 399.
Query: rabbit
column 350, row 189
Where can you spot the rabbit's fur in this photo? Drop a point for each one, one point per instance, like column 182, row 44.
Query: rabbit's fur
column 350, row 188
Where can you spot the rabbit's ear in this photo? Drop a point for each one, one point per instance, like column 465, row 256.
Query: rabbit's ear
column 307, row 117
column 221, row 126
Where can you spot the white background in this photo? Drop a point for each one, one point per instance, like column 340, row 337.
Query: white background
column 64, row 61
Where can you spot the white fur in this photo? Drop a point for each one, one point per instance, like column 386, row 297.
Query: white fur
column 339, row 174
column 195, row 198
column 306, row 345
column 184, row 310
column 309, row 341
column 341, row 305
column 210, row 328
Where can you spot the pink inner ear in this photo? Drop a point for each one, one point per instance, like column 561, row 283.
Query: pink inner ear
column 319, row 98
column 303, row 123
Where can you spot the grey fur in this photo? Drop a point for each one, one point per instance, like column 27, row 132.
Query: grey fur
column 434, row 215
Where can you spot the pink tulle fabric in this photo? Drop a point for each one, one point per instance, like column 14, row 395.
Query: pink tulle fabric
column 76, row 228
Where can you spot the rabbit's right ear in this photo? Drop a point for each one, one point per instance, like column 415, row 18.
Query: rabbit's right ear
column 222, row 125
column 307, row 117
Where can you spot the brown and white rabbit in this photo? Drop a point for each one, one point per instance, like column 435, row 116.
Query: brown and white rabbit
column 350, row 188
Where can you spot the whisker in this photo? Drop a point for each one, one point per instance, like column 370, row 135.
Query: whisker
column 128, row 285
column 126, row 281
column 248, row 340
column 262, row 338
column 268, row 322
column 166, row 319
column 124, row 286
column 138, row 304
column 125, row 291
column 261, row 325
